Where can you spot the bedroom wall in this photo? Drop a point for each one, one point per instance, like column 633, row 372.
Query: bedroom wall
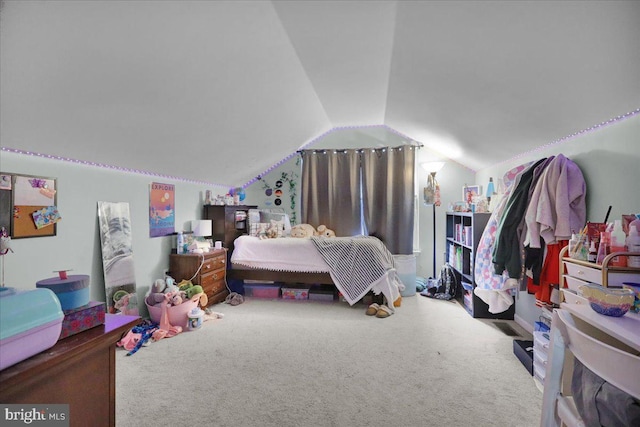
column 609, row 159
column 77, row 243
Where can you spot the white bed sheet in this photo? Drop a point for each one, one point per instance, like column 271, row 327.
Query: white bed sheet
column 282, row 254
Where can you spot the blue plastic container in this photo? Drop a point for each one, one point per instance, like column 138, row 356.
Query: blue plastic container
column 72, row 291
column 30, row 322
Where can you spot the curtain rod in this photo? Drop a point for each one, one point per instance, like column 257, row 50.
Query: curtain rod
column 416, row 145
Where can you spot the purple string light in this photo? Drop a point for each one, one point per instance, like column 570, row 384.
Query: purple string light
column 312, row 142
column 105, row 166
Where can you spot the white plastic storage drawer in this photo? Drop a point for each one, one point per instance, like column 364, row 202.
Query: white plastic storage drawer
column 586, row 274
column 571, row 298
column 540, row 342
column 574, row 283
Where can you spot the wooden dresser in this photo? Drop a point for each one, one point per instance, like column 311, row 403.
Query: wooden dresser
column 229, row 222
column 211, row 276
column 79, row 370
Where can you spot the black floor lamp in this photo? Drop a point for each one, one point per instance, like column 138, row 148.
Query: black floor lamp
column 432, row 197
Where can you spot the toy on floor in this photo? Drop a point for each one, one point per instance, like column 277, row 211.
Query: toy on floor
column 137, row 337
column 165, row 330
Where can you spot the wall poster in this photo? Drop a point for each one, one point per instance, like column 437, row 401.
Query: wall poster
column 117, row 258
column 161, row 209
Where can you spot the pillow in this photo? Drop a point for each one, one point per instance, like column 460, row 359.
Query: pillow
column 257, row 229
column 280, row 217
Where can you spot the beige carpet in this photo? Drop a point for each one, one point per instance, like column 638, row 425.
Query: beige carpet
column 306, row 363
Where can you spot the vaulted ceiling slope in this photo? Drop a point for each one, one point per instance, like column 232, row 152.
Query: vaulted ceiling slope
column 218, row 91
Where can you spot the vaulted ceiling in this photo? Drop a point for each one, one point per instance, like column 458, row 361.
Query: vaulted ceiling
column 218, row 91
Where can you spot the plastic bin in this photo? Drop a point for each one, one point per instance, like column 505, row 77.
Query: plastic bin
column 295, row 293
column 262, row 291
column 406, row 268
column 322, row 293
column 30, row 322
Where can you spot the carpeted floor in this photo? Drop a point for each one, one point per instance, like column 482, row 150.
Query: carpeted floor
column 307, row 363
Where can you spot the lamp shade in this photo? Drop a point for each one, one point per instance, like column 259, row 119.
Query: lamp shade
column 432, row 167
column 202, row 227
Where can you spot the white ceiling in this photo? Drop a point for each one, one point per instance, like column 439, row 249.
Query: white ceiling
column 218, row 91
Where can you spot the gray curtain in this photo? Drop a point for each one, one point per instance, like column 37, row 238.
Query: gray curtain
column 350, row 189
column 387, row 194
column 330, row 190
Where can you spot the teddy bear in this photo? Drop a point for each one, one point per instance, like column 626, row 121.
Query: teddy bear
column 302, row 231
column 323, row 231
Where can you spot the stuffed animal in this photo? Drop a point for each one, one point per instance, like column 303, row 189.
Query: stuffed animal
column 194, row 290
column 155, row 294
column 174, row 298
column 189, row 289
column 323, row 231
column 272, row 232
column 302, row 231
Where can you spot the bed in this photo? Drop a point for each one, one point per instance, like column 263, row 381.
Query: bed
column 355, row 265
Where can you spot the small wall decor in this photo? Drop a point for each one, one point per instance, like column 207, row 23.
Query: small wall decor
column 161, row 209
column 470, row 193
column 291, row 178
column 29, row 205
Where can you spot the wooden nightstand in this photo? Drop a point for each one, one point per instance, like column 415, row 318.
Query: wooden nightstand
column 212, row 274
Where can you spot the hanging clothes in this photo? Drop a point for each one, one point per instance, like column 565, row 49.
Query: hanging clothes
column 491, row 287
column 557, row 209
column 550, row 275
column 507, row 252
column 558, row 206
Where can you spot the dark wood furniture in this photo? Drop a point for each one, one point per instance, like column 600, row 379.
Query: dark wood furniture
column 211, row 275
column 229, row 222
column 79, row 370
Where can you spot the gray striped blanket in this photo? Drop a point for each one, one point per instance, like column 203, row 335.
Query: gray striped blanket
column 355, row 263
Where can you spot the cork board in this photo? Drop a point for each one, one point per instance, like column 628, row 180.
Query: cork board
column 31, row 194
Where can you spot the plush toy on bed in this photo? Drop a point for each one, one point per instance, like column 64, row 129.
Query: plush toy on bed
column 323, row 231
column 302, row 231
column 273, row 231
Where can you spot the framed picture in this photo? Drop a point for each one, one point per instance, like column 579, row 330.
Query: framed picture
column 33, row 211
column 470, row 192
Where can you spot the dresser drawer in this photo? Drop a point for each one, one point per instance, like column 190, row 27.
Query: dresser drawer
column 587, row 274
column 214, row 288
column 573, row 283
column 206, row 279
column 214, row 263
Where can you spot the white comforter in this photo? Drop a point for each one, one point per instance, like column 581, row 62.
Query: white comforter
column 301, row 255
column 283, row 254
